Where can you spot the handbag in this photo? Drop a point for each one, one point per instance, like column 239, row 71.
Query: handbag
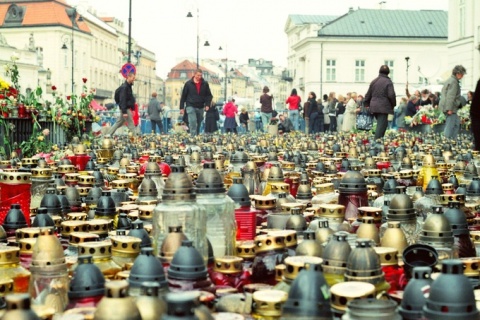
column 364, row 121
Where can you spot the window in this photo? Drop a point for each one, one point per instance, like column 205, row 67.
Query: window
column 331, row 70
column 389, row 64
column 359, row 70
column 461, row 17
column 183, row 75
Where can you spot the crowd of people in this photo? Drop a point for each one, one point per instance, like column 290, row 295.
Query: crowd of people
column 332, row 113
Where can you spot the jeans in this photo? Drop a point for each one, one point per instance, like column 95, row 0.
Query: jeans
column 266, row 120
column 293, row 115
column 333, row 123
column 195, row 118
column 259, row 125
column 339, row 122
column 314, row 122
column 121, row 121
column 452, row 126
column 382, row 123
column 157, row 123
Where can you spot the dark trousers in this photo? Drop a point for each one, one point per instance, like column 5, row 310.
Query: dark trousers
column 314, row 123
column 382, row 123
column 476, row 132
column 333, row 123
column 157, row 123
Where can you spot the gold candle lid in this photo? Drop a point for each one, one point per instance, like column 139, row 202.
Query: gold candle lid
column 268, row 302
column 287, row 207
column 146, row 212
column 99, row 226
column 6, row 286
column 290, row 236
column 471, row 266
column 71, row 177
column 266, row 243
column 98, row 249
column 228, row 264
column 119, row 184
column 279, row 272
column 77, row 216
column 325, row 188
column 125, row 244
column 371, row 188
column 83, row 191
column 9, row 255
column 113, row 170
column 330, row 210
column 264, row 203
column 246, row 249
column 86, row 180
column 45, row 173
column 373, row 212
column 297, row 263
column 388, row 256
column 66, row 168
column 70, row 226
column 26, row 245
column 279, row 187
column 25, row 233
column 14, row 178
column 344, row 292
column 76, row 238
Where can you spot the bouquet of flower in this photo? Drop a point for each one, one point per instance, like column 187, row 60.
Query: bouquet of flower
column 73, row 112
column 38, row 141
column 464, row 115
column 426, row 115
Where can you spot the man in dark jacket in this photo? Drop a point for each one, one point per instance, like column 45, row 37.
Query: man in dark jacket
column 154, row 112
column 381, row 99
column 126, row 104
column 196, row 95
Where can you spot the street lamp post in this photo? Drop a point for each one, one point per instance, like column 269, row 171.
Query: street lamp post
column 73, row 14
column 206, row 44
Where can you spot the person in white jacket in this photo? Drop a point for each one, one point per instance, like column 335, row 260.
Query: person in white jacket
column 351, row 110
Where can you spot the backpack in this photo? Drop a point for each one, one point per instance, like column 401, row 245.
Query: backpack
column 117, row 94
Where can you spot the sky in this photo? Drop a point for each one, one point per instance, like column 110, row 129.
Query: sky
column 243, row 28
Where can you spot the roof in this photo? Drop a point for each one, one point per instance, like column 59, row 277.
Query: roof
column 299, row 19
column 189, row 67
column 41, row 13
column 389, row 23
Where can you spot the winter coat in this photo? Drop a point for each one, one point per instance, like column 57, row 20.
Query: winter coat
column 381, row 97
column 293, row 102
column 192, row 98
column 154, row 109
column 266, row 100
column 350, row 116
column 450, row 100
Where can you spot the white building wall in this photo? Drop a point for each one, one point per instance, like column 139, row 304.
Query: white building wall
column 464, row 39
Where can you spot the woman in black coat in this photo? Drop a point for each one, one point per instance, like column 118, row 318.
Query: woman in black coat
column 211, row 118
column 312, row 113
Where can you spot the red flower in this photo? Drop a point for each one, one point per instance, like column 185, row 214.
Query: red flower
column 68, row 97
column 83, row 95
column 54, row 88
column 424, row 118
column 84, row 80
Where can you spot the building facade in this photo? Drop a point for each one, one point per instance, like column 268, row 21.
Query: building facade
column 343, row 54
column 464, row 39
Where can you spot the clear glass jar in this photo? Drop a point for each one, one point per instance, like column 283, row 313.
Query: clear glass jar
column 221, row 225
column 49, row 286
column 179, row 208
column 10, row 268
column 325, row 195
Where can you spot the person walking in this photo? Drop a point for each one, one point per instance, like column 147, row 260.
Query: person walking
column 340, row 111
column 351, row 110
column 196, row 95
column 266, row 109
column 126, row 103
column 293, row 102
column 211, row 118
column 154, row 111
column 312, row 114
column 244, row 120
column 475, row 116
column 332, row 104
column 230, row 112
column 451, row 102
column 381, row 99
